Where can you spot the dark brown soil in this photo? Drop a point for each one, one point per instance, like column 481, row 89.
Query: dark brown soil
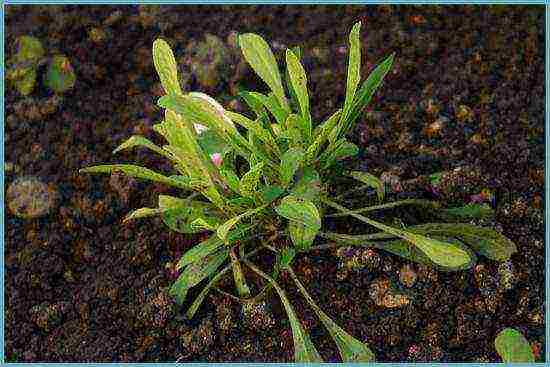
column 466, row 90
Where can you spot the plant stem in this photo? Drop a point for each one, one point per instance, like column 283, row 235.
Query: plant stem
column 420, row 202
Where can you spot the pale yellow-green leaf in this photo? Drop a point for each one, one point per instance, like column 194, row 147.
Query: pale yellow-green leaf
column 135, row 171
column 138, row 140
column 141, row 213
column 298, row 79
column 354, row 70
column 259, row 56
column 166, row 66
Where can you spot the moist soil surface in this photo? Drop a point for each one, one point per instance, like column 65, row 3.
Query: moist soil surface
column 465, row 96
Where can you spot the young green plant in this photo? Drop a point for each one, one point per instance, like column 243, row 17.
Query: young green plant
column 260, row 182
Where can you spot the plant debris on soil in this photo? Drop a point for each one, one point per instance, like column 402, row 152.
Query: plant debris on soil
column 465, row 97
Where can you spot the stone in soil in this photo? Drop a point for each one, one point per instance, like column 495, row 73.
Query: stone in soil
column 28, row 197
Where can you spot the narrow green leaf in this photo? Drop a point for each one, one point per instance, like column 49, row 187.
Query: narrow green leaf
column 200, row 224
column 179, row 214
column 249, row 182
column 253, row 102
column 370, row 180
column 321, row 135
column 365, row 93
column 342, row 149
column 298, row 79
column 263, row 134
column 165, row 64
column 224, row 229
column 485, row 241
column 195, row 272
column 271, row 103
column 405, row 250
column 200, row 298
column 141, row 213
column 259, row 56
column 238, row 276
column 210, row 245
column 137, row 172
column 351, row 349
column 138, row 140
column 354, row 70
column 299, row 210
column 304, row 350
column 290, row 161
column 512, row 347
column 443, row 253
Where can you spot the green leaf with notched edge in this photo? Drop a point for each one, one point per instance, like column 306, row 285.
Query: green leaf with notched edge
column 138, row 140
column 304, row 350
column 248, row 185
column 354, row 72
column 259, row 56
column 301, row 235
column 365, row 93
column 512, row 347
column 299, row 210
column 351, row 349
column 298, row 79
column 137, row 172
column 483, row 240
column 195, row 272
column 165, row 64
column 210, row 245
column 290, row 162
column 442, row 253
column 179, row 214
column 370, row 180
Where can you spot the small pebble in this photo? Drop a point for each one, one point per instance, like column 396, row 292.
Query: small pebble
column 28, row 197
column 407, row 276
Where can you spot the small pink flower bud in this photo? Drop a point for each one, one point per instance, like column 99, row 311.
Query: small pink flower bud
column 216, row 159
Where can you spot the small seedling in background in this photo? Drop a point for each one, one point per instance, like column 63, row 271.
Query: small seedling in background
column 512, row 346
column 60, row 76
column 22, row 68
column 262, row 184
